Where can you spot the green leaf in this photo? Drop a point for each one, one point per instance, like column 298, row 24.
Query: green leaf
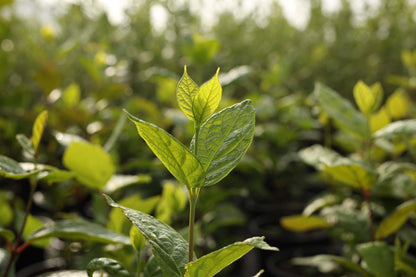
column 320, row 202
column 207, row 99
column 214, row 262
column 32, row 225
column 71, row 95
column 9, row 168
column 172, row 202
column 180, row 162
column 79, row 230
column 368, row 99
column 398, row 104
column 397, row 128
column 137, row 239
column 55, row 175
column 26, row 143
column 92, row 166
column 120, row 181
column 112, row 267
column 352, row 173
column 185, row 93
column 66, row 273
column 7, row 234
column 38, row 128
column 301, row 223
column 394, row 221
column 169, row 247
column 152, row 269
column 224, row 139
column 378, row 258
column 317, row 156
column 342, row 111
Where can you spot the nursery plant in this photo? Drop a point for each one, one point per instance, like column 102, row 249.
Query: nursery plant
column 370, row 204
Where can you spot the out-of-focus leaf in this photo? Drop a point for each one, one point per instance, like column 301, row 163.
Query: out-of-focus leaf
column 180, row 162
column 301, row 223
column 26, row 143
column 92, row 166
column 378, row 258
column 397, row 128
column 7, row 234
column 6, row 211
column 319, row 203
column 206, row 101
column 71, row 95
column 368, row 99
column 394, row 221
column 172, row 201
column 79, row 230
column 137, row 239
column 152, row 269
column 120, row 181
column 169, row 247
column 55, row 175
column 112, row 267
column 259, row 273
column 66, row 273
column 9, row 168
column 38, row 128
column 352, row 173
column 317, row 156
column 212, row 263
column 185, row 93
column 234, row 74
column 342, row 111
column 379, row 120
column 398, row 104
column 224, row 139
column 202, row 49
column 66, row 139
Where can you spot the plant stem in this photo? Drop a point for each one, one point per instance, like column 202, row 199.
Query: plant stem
column 193, row 197
column 14, row 253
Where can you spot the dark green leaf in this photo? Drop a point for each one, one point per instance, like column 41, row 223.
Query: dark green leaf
column 224, row 139
column 7, row 234
column 169, row 247
column 378, row 258
column 212, row 263
column 342, row 111
column 180, row 162
column 112, row 267
column 9, row 168
column 152, row 268
column 79, row 230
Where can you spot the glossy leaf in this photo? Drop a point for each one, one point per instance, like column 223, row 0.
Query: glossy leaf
column 110, row 266
column 79, row 230
column 319, row 203
column 398, row 128
column 38, row 128
column 169, row 247
column 352, row 173
column 342, row 111
column 180, row 162
column 212, row 263
column 185, row 93
column 368, row 99
column 317, row 156
column 207, row 99
column 301, row 223
column 395, row 220
column 117, row 182
column 92, row 166
column 224, row 139
column 26, row 143
column 9, row 168
column 7, row 234
column 378, row 258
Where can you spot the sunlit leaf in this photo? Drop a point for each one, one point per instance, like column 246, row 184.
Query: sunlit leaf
column 379, row 120
column 378, row 258
column 301, row 223
column 317, row 156
column 352, row 173
column 172, row 202
column 26, row 143
column 185, row 93
column 71, row 95
column 92, row 166
column 38, row 128
column 207, row 99
column 9, row 168
column 137, row 239
column 180, row 162
column 405, row 128
column 224, row 139
column 395, row 220
column 79, row 230
column 398, row 104
column 319, row 203
column 169, row 247
column 342, row 111
column 212, row 263
column 368, row 99
column 112, row 267
column 120, row 181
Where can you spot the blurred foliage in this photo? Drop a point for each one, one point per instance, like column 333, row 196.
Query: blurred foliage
column 83, row 70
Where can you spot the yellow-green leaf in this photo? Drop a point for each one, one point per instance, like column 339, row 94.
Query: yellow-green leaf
column 379, row 120
column 301, row 223
column 185, row 93
column 71, row 95
column 394, row 221
column 38, row 128
column 351, row 173
column 207, row 99
column 368, row 99
column 398, row 104
column 180, row 162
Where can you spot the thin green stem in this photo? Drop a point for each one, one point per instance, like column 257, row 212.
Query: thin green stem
column 193, row 197
column 196, row 140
